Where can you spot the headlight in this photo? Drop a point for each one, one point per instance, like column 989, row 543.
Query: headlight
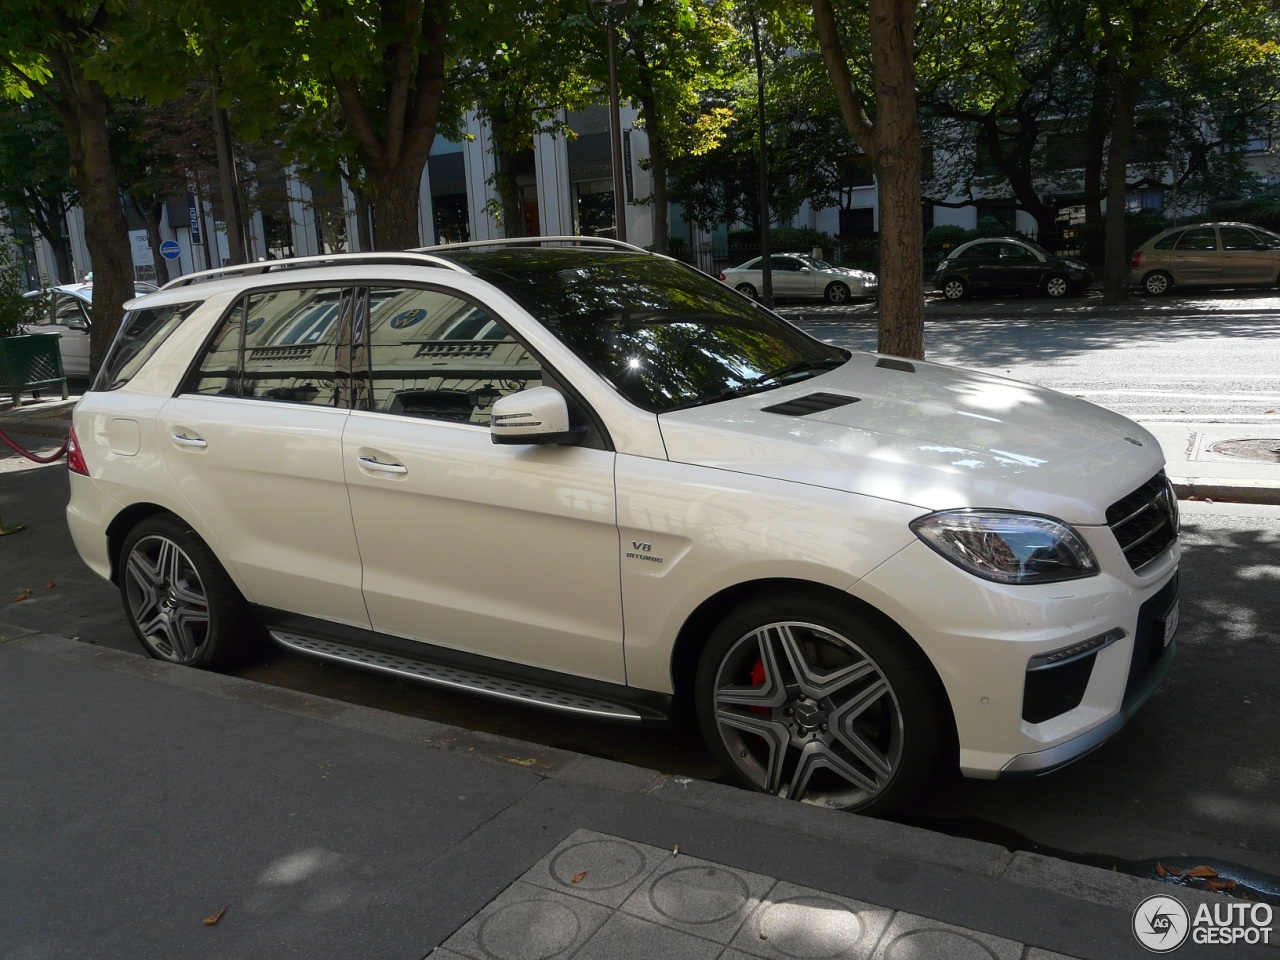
column 1007, row 547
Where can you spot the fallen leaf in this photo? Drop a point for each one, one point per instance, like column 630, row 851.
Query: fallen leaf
column 1215, row 886
column 210, row 921
column 1268, row 411
column 1173, row 870
column 1207, row 500
column 22, row 596
column 1160, row 870
column 1201, row 872
column 50, row 585
column 577, row 877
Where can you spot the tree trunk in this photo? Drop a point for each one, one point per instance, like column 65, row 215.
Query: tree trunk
column 1095, row 141
column 658, row 170
column 364, row 227
column 395, row 198
column 896, row 162
column 1117, row 250
column 82, row 106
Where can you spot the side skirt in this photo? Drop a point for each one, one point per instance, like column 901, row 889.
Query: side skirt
column 468, row 673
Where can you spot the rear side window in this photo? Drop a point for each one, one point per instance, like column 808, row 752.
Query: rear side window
column 1168, row 243
column 140, row 335
column 278, row 345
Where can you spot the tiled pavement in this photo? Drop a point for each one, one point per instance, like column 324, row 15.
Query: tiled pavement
column 598, row 897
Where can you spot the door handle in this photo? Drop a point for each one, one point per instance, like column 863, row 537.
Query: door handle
column 376, row 465
column 182, row 440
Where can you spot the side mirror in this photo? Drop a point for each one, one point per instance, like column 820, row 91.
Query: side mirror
column 536, row 416
column 75, row 323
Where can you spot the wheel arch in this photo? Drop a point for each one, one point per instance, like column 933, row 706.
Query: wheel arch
column 122, row 523
column 693, row 634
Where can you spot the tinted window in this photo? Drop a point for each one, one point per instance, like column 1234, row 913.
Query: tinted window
column 982, row 251
column 435, row 355
column 279, row 345
column 140, row 335
column 662, row 334
column 1167, row 243
column 785, row 264
column 1201, row 238
column 1237, row 238
column 1266, row 236
column 1011, row 251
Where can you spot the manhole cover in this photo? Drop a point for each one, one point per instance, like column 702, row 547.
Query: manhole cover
column 1268, row 451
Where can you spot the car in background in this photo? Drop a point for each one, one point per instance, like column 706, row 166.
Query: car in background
column 1008, row 264
column 1207, row 255
column 592, row 479
column 66, row 312
column 800, row 276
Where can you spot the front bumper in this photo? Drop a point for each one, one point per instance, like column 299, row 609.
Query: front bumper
column 986, row 639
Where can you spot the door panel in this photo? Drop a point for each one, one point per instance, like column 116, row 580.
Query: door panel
column 505, row 551
column 267, row 481
column 1196, row 258
column 1245, row 258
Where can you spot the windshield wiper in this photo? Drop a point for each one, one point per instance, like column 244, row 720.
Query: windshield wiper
column 765, row 381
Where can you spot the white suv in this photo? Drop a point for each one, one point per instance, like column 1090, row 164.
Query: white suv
column 580, row 476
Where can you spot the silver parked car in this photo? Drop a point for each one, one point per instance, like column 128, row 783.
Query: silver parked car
column 798, row 275
column 1207, row 255
column 66, row 312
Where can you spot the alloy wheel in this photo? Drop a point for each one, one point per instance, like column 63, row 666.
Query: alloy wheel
column 953, row 289
column 1056, row 287
column 805, row 713
column 167, row 599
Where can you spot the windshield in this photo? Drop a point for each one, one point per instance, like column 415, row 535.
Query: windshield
column 662, row 334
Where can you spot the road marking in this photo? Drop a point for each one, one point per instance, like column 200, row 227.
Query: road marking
column 1166, row 394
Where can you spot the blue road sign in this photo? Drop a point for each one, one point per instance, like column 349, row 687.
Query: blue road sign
column 169, row 250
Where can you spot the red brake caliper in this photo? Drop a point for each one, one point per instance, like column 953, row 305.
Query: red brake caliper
column 758, row 677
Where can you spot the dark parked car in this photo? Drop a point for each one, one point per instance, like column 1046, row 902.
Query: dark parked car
column 1008, row 263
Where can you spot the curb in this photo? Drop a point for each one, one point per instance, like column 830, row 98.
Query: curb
column 1226, row 491
column 1029, row 870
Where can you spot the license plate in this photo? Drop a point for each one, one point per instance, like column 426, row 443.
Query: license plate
column 1170, row 625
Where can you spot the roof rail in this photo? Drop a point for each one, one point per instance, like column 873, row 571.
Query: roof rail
column 406, row 258
column 534, row 241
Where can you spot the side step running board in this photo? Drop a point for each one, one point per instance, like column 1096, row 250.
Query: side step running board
column 455, row 678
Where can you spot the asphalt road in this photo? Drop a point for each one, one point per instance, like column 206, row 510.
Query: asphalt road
column 1195, row 775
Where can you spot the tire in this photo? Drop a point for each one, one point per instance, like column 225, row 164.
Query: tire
column 953, row 288
column 179, row 600
column 1057, row 286
column 836, row 292
column 747, row 290
column 811, row 700
column 1157, row 284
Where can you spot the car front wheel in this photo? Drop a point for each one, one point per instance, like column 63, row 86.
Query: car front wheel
column 1157, row 283
column 837, row 293
column 953, row 289
column 811, row 701
column 180, row 602
column 1057, row 286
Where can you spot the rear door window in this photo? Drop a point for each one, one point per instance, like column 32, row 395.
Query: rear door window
column 1202, row 238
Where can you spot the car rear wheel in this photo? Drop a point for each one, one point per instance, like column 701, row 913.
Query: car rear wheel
column 1157, row 283
column 812, row 701
column 180, row 602
column 954, row 288
column 747, row 290
column 837, row 292
column 1057, row 286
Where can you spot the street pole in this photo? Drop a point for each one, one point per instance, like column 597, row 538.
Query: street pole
column 766, row 245
column 615, row 136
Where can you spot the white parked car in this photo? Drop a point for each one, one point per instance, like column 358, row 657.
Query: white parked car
column 592, row 479
column 800, row 276
column 66, row 311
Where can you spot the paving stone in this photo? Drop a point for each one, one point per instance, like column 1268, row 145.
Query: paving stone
column 698, row 897
column 918, row 938
column 610, row 867
column 624, row 937
column 528, row 923
column 798, row 922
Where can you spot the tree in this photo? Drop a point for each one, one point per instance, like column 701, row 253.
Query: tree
column 46, row 51
column 35, row 174
column 882, row 120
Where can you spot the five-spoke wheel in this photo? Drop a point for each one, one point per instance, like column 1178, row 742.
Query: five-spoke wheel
column 812, row 702
column 836, row 292
column 747, row 290
column 180, row 602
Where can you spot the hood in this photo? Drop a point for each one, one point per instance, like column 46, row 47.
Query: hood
column 925, row 434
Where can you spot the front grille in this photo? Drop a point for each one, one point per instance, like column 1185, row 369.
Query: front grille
column 1146, row 521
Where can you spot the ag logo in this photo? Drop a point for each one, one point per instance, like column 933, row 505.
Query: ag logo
column 407, row 319
column 1161, row 924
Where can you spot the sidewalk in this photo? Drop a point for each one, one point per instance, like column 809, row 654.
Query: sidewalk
column 142, row 800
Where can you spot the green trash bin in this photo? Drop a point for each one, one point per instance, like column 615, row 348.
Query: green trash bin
column 30, row 362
